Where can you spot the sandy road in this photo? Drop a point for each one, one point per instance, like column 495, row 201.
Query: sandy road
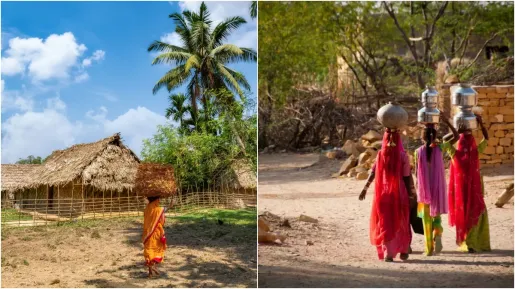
column 342, row 255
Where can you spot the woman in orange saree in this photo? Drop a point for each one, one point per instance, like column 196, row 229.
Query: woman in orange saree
column 154, row 240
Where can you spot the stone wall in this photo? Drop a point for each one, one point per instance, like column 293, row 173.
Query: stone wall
column 497, row 104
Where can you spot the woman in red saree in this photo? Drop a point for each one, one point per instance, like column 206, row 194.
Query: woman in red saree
column 467, row 209
column 154, row 240
column 390, row 230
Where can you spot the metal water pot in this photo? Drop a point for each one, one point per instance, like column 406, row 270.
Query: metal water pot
column 392, row 116
column 464, row 96
column 467, row 119
column 428, row 115
column 430, row 97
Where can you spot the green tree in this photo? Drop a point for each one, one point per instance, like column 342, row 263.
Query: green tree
column 178, row 108
column 202, row 59
column 31, row 160
column 253, row 9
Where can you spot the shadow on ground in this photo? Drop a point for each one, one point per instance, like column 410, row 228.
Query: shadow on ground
column 332, row 276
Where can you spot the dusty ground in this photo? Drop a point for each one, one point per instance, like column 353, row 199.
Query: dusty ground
column 342, row 255
column 106, row 253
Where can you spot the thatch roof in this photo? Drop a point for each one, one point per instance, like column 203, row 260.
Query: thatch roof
column 17, row 177
column 155, row 180
column 243, row 175
column 106, row 165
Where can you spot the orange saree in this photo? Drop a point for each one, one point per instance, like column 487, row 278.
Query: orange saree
column 153, row 238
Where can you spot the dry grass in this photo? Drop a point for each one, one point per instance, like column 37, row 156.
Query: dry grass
column 155, row 180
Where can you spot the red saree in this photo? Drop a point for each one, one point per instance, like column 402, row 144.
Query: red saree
column 466, row 203
column 389, row 221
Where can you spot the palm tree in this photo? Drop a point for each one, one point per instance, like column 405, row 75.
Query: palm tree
column 177, row 109
column 253, row 9
column 202, row 58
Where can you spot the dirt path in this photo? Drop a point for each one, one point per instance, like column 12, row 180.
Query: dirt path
column 342, row 255
column 109, row 254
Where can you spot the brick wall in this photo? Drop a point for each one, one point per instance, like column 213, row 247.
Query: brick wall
column 497, row 104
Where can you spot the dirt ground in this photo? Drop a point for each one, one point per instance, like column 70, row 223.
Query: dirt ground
column 341, row 256
column 106, row 253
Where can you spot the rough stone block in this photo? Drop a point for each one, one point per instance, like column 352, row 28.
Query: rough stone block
column 494, row 161
column 506, row 110
column 484, row 157
column 493, row 141
column 497, row 118
column 499, row 133
column 508, row 150
column 499, row 150
column 505, row 141
column 489, row 150
column 508, row 117
column 496, row 95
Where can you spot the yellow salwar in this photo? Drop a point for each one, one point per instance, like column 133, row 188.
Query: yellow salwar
column 478, row 238
column 153, row 238
column 433, row 230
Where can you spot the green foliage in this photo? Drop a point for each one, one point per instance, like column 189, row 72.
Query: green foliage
column 31, row 160
column 201, row 158
column 202, row 59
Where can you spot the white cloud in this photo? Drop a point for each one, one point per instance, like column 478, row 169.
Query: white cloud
column 56, row 104
column 135, row 125
column 107, row 95
column 36, row 133
column 16, row 99
column 247, row 40
column 171, row 38
column 97, row 56
column 81, row 77
column 40, row 133
column 56, row 57
column 11, row 66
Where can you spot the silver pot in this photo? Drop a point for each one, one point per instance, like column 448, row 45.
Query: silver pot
column 464, row 96
column 392, row 116
column 430, row 97
column 428, row 115
column 467, row 119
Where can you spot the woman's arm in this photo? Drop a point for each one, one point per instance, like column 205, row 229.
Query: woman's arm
column 483, row 128
column 364, row 191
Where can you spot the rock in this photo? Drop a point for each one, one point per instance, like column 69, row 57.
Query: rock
column 362, row 176
column 262, row 225
column 308, row 219
column 285, row 223
column 377, row 145
column 283, row 151
column 365, row 156
column 452, row 79
column 265, row 150
column 309, row 243
column 372, row 136
column 350, row 148
column 335, row 154
column 349, row 163
column 360, row 169
column 195, row 271
column 352, row 173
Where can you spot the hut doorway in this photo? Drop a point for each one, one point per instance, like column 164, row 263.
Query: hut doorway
column 51, row 196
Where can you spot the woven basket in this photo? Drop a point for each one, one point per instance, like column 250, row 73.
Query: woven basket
column 155, row 180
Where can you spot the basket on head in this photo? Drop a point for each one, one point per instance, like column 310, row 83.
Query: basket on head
column 155, row 180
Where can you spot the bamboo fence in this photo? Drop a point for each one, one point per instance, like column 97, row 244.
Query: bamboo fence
column 31, row 212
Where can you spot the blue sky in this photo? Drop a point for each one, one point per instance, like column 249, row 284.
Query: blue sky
column 75, row 72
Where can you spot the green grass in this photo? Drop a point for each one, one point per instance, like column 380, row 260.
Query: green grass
column 9, row 215
column 232, row 217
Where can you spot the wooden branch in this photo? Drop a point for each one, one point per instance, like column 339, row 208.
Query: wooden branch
column 482, row 48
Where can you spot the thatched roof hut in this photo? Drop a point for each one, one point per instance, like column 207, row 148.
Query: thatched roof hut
column 241, row 175
column 17, row 177
column 155, row 180
column 104, row 165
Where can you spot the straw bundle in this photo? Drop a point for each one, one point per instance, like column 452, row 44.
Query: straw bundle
column 154, row 180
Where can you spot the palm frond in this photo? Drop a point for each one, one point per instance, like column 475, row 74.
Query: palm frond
column 164, row 47
column 193, row 61
column 248, row 55
column 240, row 78
column 223, row 29
column 178, row 58
column 226, row 51
column 173, row 78
column 230, row 81
column 253, row 9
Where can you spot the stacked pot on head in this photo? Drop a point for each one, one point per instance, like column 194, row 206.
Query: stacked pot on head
column 465, row 98
column 429, row 115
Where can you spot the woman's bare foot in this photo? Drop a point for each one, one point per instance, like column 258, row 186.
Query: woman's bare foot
column 404, row 256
